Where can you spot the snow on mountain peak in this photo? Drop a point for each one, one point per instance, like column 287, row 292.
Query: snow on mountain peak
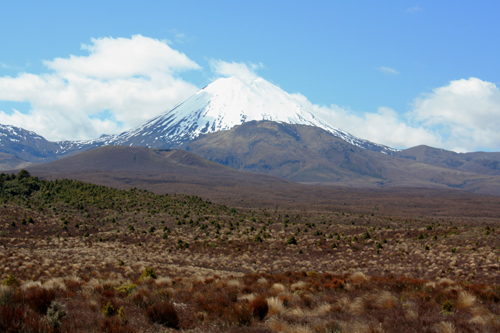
column 221, row 105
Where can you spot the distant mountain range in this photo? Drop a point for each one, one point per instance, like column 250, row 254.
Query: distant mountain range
column 255, row 126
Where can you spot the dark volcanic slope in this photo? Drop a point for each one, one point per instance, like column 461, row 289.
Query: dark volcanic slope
column 477, row 162
column 159, row 170
column 310, row 154
column 177, row 171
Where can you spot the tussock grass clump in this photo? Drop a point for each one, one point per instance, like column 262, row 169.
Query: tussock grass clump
column 279, row 325
column 163, row 313
column 39, row 299
column 465, row 300
column 259, row 307
column 278, row 288
column 275, row 305
column 357, row 306
column 164, row 281
column 301, row 285
column 444, row 327
column 241, row 314
column 385, row 300
column 482, row 316
column 358, row 277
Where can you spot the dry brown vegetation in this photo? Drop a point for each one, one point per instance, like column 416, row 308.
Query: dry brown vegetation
column 81, row 257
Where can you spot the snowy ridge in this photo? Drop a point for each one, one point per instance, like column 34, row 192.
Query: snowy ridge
column 13, row 133
column 225, row 103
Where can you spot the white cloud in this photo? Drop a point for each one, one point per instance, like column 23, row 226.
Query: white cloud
column 466, row 111
column 384, row 126
column 239, row 69
column 132, row 79
column 122, row 58
column 179, row 37
column 413, row 9
column 388, row 70
column 462, row 116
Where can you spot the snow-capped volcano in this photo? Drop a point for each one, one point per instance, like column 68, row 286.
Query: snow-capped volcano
column 223, row 104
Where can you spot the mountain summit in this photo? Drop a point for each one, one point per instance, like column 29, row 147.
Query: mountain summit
column 223, row 104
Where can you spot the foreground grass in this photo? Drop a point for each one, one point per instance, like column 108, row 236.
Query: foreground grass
column 212, row 302
column 86, row 247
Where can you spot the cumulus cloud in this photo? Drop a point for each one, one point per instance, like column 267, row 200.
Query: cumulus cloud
column 462, row 116
column 384, row 126
column 129, row 80
column 112, row 58
column 239, row 69
column 466, row 112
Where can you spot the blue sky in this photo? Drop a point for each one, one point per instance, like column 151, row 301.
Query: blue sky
column 399, row 73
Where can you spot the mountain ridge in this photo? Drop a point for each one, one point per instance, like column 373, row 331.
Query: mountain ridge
column 220, row 106
column 252, row 125
column 312, row 155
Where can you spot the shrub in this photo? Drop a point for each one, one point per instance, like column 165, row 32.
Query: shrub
column 121, row 313
column 335, row 284
column 163, row 313
column 241, row 314
column 259, row 308
column 55, row 313
column 257, row 239
column 126, row 288
column 108, row 309
column 10, row 281
column 148, row 273
column 291, row 240
column 447, row 306
column 39, row 299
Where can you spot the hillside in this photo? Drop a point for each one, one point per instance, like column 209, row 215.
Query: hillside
column 158, row 170
column 82, row 257
column 309, row 154
column 477, row 162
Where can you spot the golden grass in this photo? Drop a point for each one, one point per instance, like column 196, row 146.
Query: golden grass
column 278, row 288
column 444, row 327
column 385, row 300
column 275, row 305
column 300, row 285
column 279, row 325
column 464, row 300
column 482, row 316
column 358, row 277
